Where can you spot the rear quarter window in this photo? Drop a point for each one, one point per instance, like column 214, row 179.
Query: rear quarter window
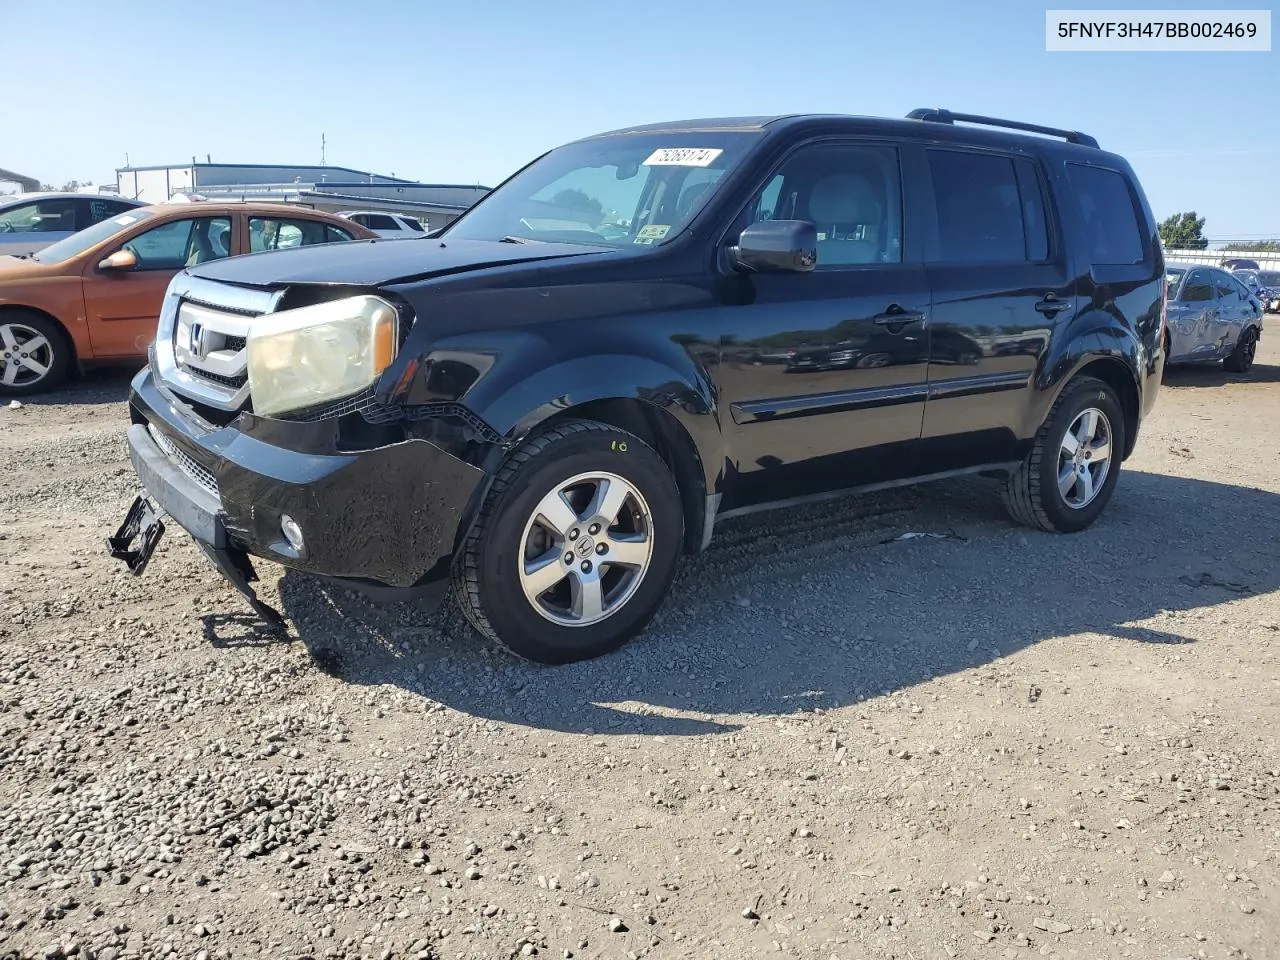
column 1108, row 215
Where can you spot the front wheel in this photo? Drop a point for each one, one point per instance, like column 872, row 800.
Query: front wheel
column 575, row 546
column 1240, row 359
column 33, row 354
column 1071, row 471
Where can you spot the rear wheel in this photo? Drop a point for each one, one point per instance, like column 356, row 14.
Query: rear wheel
column 575, row 545
column 1070, row 473
column 33, row 354
column 1241, row 358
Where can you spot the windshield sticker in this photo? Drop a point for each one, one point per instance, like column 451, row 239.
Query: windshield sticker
column 652, row 232
column 125, row 220
column 683, row 157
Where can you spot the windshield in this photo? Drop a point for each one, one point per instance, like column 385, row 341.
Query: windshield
column 1173, row 277
column 78, row 243
column 626, row 190
column 1270, row 277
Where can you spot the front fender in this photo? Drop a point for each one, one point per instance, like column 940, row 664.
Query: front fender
column 518, row 410
column 514, row 408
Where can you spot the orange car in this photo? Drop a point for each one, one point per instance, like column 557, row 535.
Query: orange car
column 96, row 295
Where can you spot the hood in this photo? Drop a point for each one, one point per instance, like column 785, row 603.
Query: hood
column 371, row 263
column 18, row 268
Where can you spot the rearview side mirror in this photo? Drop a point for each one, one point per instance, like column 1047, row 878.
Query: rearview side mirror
column 778, row 246
column 120, row 260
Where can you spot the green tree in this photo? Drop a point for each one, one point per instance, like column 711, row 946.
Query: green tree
column 1259, row 246
column 1184, row 231
column 71, row 186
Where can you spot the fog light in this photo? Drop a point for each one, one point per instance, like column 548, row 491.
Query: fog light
column 292, row 532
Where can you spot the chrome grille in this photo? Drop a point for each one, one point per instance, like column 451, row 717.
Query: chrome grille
column 201, row 348
column 209, row 345
column 188, row 465
column 234, row 383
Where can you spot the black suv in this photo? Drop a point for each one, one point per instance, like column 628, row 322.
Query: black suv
column 644, row 332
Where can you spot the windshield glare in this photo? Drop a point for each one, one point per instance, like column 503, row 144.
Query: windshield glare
column 623, row 191
column 78, row 243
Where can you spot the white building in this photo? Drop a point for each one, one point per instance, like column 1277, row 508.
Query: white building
column 321, row 187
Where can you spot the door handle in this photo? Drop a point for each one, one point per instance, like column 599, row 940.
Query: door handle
column 895, row 316
column 1051, row 306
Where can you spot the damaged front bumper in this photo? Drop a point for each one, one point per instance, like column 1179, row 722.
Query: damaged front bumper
column 383, row 519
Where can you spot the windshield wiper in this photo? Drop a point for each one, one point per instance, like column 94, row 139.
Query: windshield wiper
column 514, row 239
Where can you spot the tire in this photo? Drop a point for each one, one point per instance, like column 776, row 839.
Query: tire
column 494, row 576
column 1240, row 360
column 27, row 369
column 1033, row 492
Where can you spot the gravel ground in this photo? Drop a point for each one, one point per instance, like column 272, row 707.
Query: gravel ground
column 830, row 744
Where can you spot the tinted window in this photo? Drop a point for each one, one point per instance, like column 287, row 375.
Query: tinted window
column 1229, row 287
column 980, row 210
column 336, row 234
column 849, row 193
column 1108, row 215
column 1198, row 288
column 380, row 221
column 182, row 243
column 281, row 234
column 1034, row 219
column 41, row 216
column 414, row 225
column 100, row 210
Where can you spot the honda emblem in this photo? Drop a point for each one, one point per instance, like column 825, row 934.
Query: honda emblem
column 195, row 340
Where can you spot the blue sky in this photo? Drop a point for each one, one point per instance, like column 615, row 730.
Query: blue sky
column 467, row 92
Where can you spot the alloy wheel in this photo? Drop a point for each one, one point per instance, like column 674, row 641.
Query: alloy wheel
column 26, row 355
column 1084, row 458
column 586, row 549
column 1250, row 348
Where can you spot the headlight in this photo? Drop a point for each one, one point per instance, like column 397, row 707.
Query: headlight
column 299, row 358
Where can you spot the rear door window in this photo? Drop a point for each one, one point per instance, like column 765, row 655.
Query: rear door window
column 1229, row 288
column 988, row 209
column 1108, row 215
column 380, row 221
column 99, row 210
column 276, row 233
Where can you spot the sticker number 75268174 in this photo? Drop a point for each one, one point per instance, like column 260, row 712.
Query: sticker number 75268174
column 683, row 157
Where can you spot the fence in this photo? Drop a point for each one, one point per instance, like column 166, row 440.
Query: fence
column 1267, row 260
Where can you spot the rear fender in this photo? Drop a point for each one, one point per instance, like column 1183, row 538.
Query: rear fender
column 1096, row 336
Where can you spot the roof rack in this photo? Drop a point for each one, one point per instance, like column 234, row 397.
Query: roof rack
column 946, row 116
